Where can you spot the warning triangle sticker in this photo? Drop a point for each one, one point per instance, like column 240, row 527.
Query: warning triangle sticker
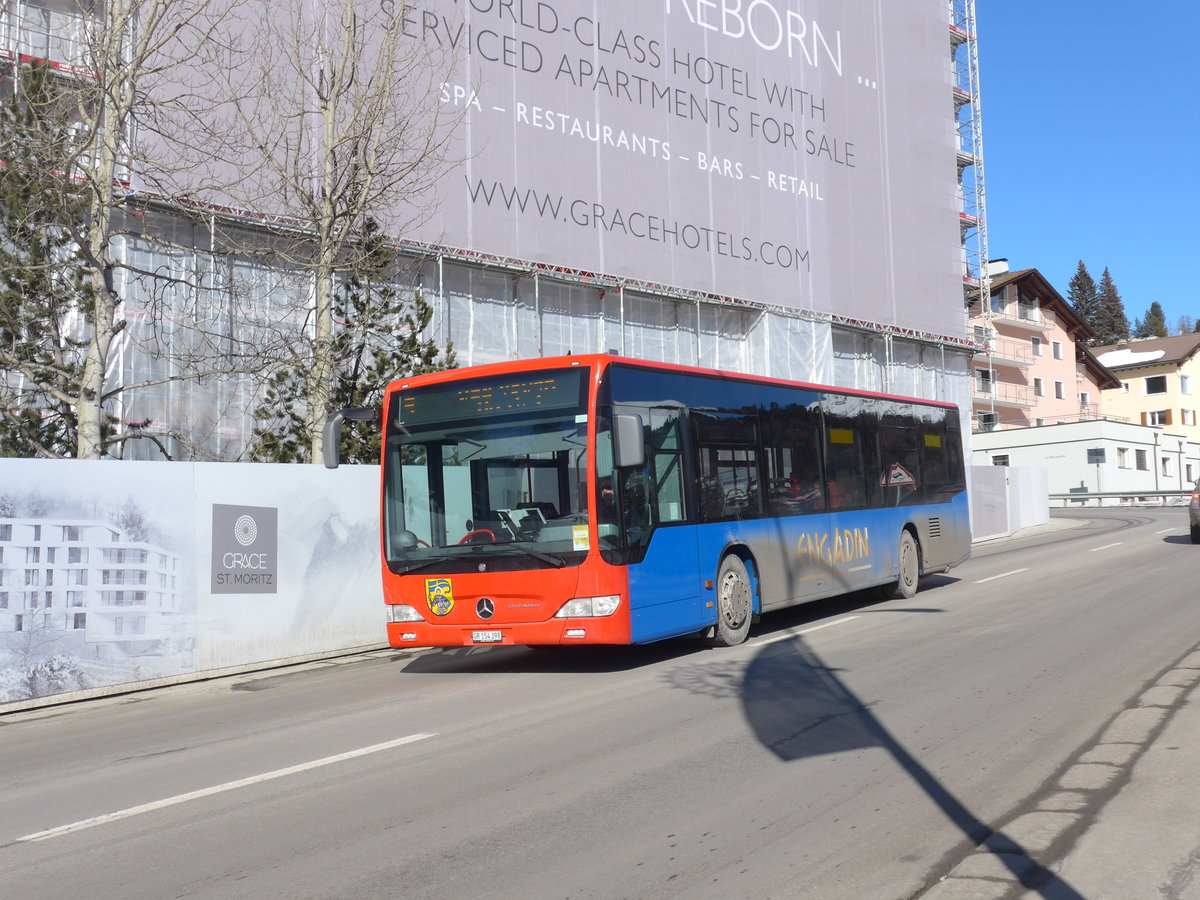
column 897, row 476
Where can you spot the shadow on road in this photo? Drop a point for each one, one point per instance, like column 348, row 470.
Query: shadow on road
column 798, row 707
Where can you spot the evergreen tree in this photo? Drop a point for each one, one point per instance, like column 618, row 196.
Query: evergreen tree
column 1110, row 324
column 380, row 338
column 1082, row 294
column 1154, row 325
column 43, row 282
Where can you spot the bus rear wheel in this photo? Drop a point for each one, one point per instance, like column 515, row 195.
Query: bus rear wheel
column 909, row 556
column 735, row 603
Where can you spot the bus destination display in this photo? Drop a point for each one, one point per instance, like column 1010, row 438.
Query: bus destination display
column 488, row 398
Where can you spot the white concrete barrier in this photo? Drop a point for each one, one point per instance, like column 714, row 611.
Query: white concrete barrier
column 117, row 575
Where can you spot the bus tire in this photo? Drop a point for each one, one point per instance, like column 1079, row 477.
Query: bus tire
column 909, row 557
column 735, row 602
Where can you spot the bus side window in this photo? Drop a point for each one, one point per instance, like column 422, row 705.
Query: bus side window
column 844, row 476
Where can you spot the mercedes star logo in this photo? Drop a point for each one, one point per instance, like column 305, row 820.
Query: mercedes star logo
column 485, row 609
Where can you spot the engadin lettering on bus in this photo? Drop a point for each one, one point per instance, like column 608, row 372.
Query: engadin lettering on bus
column 832, row 547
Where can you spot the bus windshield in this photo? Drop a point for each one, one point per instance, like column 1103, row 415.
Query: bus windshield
column 502, row 484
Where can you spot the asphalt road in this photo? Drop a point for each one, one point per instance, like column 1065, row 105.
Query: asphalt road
column 854, row 749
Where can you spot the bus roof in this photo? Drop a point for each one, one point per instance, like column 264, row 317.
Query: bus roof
column 600, row 361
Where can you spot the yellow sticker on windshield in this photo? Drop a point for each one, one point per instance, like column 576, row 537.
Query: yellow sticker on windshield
column 579, row 537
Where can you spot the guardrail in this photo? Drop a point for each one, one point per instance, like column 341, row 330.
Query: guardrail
column 1130, row 498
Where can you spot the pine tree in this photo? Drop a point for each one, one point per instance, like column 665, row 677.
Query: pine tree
column 381, row 338
column 43, row 283
column 1082, row 295
column 1110, row 324
column 1154, row 325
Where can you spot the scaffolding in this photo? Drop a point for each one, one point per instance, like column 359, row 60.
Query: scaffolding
column 964, row 52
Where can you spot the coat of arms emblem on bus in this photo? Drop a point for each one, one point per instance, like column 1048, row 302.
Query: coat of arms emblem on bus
column 439, row 595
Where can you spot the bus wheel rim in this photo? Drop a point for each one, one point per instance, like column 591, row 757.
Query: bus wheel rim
column 735, row 599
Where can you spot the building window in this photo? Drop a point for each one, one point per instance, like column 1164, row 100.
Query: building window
column 1122, row 457
column 119, row 626
column 1037, row 346
column 20, row 623
column 1166, row 467
column 70, row 533
column 79, row 621
column 1039, row 387
column 1190, row 473
column 1000, row 460
column 1085, row 401
column 1142, row 461
column 33, row 576
column 1156, row 384
column 984, row 380
column 139, row 625
column 1158, row 417
column 1057, row 346
column 987, row 422
column 1188, row 416
column 5, row 532
column 998, row 304
column 77, row 555
column 1058, row 390
column 33, row 554
column 1039, row 422
column 3, row 599
column 1185, row 384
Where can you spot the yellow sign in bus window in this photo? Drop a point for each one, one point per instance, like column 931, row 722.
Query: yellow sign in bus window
column 933, row 440
column 841, row 435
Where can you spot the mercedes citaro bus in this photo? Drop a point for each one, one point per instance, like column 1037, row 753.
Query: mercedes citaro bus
column 604, row 500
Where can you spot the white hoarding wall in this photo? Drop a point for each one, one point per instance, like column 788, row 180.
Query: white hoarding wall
column 792, row 152
column 131, row 573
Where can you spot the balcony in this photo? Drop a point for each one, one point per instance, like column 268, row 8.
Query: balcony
column 999, row 394
column 1011, row 353
column 1031, row 318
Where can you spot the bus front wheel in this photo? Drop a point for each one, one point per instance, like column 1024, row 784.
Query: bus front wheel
column 735, row 602
column 909, row 556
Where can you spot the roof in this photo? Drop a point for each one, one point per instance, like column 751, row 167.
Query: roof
column 1149, row 352
column 1045, row 293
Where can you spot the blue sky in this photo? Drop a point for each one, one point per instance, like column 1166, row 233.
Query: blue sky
column 1091, row 132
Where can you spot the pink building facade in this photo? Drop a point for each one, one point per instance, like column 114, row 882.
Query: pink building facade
column 1035, row 369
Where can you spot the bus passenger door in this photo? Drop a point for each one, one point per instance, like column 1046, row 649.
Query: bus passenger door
column 664, row 577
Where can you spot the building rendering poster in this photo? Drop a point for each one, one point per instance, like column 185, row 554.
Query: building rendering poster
column 793, row 152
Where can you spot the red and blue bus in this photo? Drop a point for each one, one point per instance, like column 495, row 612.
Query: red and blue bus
column 604, row 500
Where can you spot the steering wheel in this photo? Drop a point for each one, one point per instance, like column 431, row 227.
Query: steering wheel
column 466, row 539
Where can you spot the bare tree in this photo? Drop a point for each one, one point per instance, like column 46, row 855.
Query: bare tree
column 342, row 121
column 126, row 120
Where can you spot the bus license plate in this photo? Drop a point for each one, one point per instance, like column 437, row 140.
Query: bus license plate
column 486, row 637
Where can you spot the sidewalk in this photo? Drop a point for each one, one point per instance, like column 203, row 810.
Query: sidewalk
column 1119, row 821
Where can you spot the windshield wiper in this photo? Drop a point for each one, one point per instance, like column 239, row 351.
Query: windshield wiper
column 423, row 564
column 557, row 561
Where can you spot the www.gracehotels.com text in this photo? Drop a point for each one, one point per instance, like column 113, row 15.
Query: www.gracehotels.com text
column 637, row 224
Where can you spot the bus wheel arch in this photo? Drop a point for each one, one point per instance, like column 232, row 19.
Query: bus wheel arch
column 908, row 564
column 736, row 587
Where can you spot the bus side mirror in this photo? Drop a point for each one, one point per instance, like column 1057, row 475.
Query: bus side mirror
column 629, row 450
column 331, row 444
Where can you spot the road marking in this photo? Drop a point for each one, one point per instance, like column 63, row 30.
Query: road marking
column 1003, row 575
column 219, row 788
column 1165, row 531
column 1105, row 547
column 791, row 634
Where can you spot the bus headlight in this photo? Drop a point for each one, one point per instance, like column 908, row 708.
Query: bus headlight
column 589, row 607
column 401, row 612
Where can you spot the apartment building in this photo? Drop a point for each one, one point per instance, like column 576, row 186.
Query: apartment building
column 85, row 583
column 1035, row 368
column 1159, row 382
